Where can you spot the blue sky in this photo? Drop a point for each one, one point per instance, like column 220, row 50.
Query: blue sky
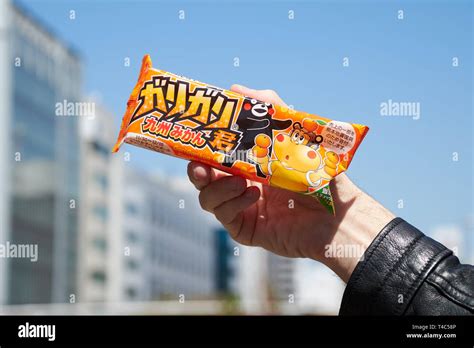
column 407, row 60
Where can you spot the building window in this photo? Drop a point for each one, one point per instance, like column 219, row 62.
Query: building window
column 101, row 149
column 132, row 236
column 132, row 264
column 101, row 180
column 131, row 292
column 100, row 211
column 100, row 244
column 131, row 208
column 99, row 276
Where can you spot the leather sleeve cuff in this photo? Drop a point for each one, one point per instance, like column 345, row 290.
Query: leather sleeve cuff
column 392, row 269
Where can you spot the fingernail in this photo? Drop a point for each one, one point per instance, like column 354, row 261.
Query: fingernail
column 198, row 173
column 235, row 87
column 243, row 89
column 251, row 192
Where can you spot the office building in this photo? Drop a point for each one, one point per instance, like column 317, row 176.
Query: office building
column 39, row 176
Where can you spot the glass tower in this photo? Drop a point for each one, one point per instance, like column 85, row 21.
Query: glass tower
column 43, row 162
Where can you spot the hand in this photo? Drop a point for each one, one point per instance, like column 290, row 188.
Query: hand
column 288, row 223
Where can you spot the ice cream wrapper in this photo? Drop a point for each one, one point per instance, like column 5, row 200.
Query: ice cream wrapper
column 264, row 142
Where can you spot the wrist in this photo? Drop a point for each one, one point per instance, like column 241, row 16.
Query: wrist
column 359, row 219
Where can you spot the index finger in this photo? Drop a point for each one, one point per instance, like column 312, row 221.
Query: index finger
column 267, row 95
column 201, row 174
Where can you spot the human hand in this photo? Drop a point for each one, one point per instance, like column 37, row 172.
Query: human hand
column 285, row 222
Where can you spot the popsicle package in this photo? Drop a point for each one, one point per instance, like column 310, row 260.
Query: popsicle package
column 271, row 144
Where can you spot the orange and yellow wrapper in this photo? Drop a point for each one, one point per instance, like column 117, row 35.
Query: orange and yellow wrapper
column 260, row 141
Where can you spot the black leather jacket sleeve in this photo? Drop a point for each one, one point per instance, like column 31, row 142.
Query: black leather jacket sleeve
column 404, row 272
